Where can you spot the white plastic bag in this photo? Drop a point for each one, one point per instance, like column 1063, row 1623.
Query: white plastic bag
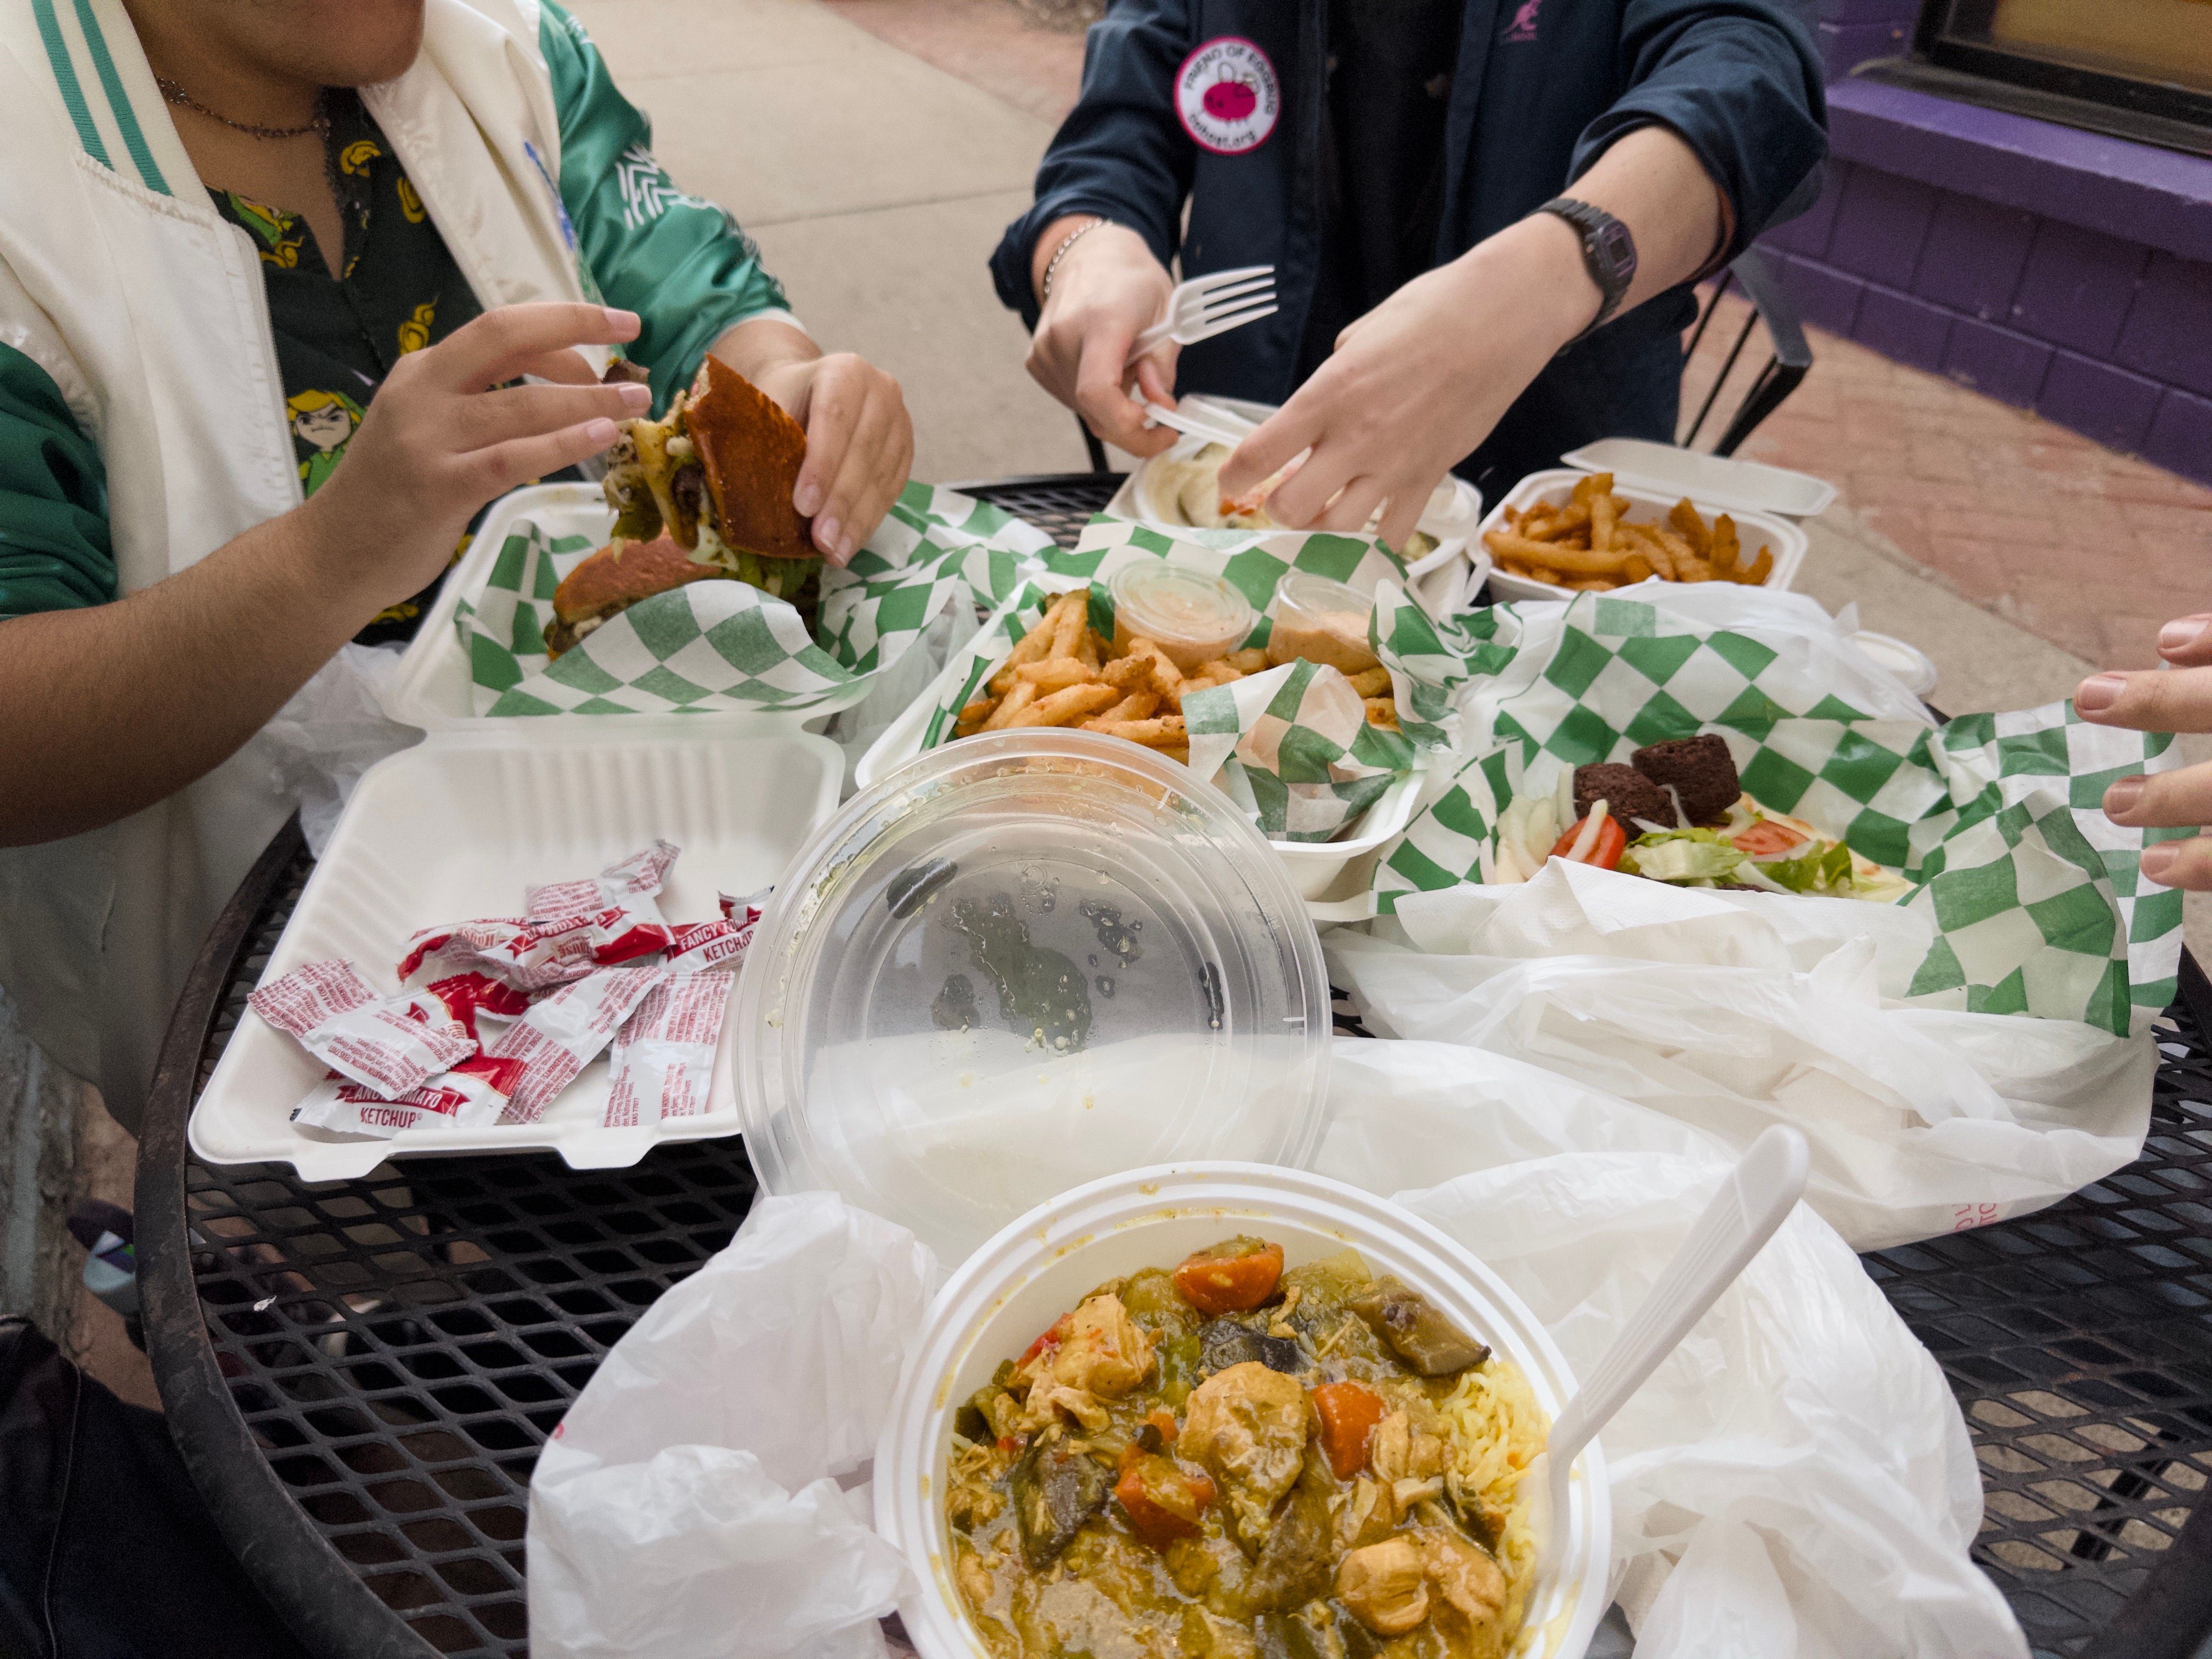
column 1731, row 1011
column 330, row 731
column 690, row 1504
column 1796, row 1482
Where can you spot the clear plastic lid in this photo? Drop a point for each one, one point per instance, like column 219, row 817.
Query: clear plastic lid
column 1019, row 963
column 1193, row 616
column 1320, row 620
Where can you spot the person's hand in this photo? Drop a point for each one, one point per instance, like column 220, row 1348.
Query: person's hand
column 1107, row 291
column 1418, row 382
column 2179, row 699
column 860, row 444
column 444, row 434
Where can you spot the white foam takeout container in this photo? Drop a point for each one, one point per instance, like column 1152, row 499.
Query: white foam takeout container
column 455, row 829
column 1444, row 579
column 432, row 687
column 1726, row 481
column 1555, row 486
column 1041, row 1264
column 1315, row 867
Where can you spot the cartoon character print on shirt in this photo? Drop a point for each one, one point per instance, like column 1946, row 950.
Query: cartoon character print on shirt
column 325, row 421
column 409, row 202
column 279, row 231
column 1228, row 96
column 415, row 332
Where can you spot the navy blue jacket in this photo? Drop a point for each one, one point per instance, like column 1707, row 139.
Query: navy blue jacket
column 1539, row 90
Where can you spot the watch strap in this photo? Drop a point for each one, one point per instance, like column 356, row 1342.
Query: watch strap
column 1608, row 253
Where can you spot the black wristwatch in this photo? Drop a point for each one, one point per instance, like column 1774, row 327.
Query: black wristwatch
column 1609, row 251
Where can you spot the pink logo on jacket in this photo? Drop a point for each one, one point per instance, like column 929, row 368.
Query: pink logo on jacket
column 1524, row 27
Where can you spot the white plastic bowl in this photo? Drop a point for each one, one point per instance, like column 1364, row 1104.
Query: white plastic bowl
column 1553, row 488
column 1039, row 1265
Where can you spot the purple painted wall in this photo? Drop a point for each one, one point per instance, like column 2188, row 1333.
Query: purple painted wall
column 2055, row 270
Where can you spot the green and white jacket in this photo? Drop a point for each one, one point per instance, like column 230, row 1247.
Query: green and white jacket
column 142, row 420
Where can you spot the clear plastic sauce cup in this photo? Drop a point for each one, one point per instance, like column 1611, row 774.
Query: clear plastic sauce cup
column 1192, row 616
column 1321, row 621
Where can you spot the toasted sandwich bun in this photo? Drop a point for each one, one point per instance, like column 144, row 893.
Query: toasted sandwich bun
column 614, row 579
column 751, row 452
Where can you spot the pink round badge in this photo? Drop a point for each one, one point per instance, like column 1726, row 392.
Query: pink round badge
column 1228, row 96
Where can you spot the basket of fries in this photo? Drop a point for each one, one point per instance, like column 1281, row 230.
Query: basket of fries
column 1565, row 532
column 1063, row 672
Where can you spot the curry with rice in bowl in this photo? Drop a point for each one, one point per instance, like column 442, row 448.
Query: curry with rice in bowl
column 1226, row 1459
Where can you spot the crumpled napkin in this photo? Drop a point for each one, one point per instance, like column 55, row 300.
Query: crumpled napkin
column 699, row 1499
column 1733, row 1011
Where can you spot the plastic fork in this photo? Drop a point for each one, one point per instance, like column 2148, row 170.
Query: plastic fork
column 1206, row 305
column 1197, row 418
column 1758, row 1195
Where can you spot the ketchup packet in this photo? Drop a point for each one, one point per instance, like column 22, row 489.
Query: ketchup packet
column 471, row 999
column 663, row 1055
column 701, row 944
column 619, row 900
column 389, row 1045
column 564, row 1032
column 746, row 909
column 474, row 1093
column 527, row 956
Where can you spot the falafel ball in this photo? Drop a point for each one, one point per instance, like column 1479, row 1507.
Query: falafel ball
column 1626, row 793
column 1702, row 771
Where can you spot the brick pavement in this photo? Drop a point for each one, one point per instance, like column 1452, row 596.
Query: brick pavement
column 2076, row 544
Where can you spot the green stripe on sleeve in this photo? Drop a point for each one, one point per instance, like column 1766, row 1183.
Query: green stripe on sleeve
column 58, row 54
column 119, row 101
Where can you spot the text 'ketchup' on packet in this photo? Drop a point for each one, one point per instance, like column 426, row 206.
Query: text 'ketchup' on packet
column 473, row 1094
column 389, row 1045
column 663, row 1055
column 563, row 1033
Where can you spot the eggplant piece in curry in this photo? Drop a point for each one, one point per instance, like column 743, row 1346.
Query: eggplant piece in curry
column 1229, row 1460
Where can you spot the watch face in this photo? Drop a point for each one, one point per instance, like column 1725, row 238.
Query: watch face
column 1613, row 243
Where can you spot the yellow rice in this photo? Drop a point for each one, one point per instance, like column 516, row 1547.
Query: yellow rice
column 1496, row 1429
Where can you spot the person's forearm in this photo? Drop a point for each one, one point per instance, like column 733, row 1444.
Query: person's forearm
column 1653, row 182
column 1048, row 242
column 115, row 707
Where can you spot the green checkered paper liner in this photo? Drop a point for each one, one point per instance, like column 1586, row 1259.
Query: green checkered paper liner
column 724, row 645
column 2034, row 896
column 1291, row 745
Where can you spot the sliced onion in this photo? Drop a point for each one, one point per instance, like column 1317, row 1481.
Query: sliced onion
column 1681, row 818
column 1580, row 852
column 1650, row 828
column 1753, row 875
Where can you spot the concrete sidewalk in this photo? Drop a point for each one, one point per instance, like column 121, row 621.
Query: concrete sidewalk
column 877, row 186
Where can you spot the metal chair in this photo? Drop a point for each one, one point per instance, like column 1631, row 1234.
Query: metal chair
column 1784, row 368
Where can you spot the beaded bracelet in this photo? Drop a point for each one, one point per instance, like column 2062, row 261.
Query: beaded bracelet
column 1044, row 287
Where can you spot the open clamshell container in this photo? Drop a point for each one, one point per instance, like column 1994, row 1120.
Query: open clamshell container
column 1018, row 963
column 1042, row 1264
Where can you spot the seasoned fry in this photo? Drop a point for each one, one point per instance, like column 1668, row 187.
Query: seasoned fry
column 1056, row 673
column 1165, row 671
column 1590, row 486
column 1220, row 671
column 1164, row 731
column 1086, row 649
column 1602, row 519
column 1684, row 518
column 1064, row 707
column 1556, row 554
column 1252, row 659
column 1590, row 584
column 1030, row 648
column 1068, row 614
column 1382, row 711
column 1758, row 570
column 1137, row 706
column 1726, row 550
column 1553, row 525
column 1129, row 674
column 1637, row 570
column 1371, row 682
column 1020, row 697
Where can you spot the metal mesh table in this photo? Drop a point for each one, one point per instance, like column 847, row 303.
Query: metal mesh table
column 359, row 1374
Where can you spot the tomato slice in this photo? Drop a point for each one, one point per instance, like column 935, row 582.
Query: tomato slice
column 1605, row 852
column 1766, row 838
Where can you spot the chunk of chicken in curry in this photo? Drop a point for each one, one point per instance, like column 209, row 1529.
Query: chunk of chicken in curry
column 1229, row 1458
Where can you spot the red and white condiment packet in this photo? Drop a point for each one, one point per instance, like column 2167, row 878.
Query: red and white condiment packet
column 663, row 1055
column 473, row 1094
column 564, row 1032
column 573, row 928
column 389, row 1045
column 722, row 943
column 475, row 1000
column 746, row 909
column 641, row 875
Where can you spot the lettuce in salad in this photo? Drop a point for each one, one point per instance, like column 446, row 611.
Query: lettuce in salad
column 1686, row 856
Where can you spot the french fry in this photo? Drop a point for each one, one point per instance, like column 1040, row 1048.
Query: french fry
column 1219, row 670
column 1383, row 712
column 1679, row 546
column 1180, row 756
column 1064, row 707
column 1656, row 552
column 1602, row 519
column 1086, row 649
column 1023, row 694
column 1755, row 574
column 1370, row 682
column 1693, row 569
column 1726, row 549
column 1137, row 706
column 1555, row 555
column 1590, row 486
column 1550, row 527
column 1030, row 648
column 1684, row 517
column 1637, row 570
column 1250, row 661
column 1069, row 612
column 1128, row 673
column 1164, row 731
column 1056, row 673
column 1165, row 671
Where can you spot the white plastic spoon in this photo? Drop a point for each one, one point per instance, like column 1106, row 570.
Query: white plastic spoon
column 1758, row 1193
